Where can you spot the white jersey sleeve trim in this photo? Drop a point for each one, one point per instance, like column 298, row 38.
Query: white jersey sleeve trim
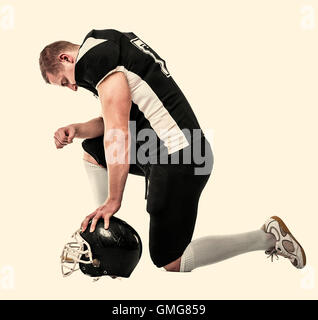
column 119, row 68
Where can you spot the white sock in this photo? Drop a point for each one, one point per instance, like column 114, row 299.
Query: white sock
column 98, row 179
column 212, row 249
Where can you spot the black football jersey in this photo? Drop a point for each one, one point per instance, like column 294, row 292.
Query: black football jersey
column 158, row 103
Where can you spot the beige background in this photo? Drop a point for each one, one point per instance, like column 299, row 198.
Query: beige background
column 249, row 70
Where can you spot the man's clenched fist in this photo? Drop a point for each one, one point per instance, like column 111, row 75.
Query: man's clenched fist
column 64, row 136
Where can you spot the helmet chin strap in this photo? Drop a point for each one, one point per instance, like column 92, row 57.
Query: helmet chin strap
column 96, row 279
column 113, row 277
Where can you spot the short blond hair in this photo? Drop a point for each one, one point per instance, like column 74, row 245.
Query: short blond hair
column 49, row 62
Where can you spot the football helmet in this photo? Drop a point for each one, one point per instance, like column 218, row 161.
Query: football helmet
column 111, row 252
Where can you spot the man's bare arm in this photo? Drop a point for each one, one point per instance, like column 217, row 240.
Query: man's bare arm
column 90, row 129
column 115, row 97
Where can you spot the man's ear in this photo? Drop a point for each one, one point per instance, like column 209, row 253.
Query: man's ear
column 65, row 57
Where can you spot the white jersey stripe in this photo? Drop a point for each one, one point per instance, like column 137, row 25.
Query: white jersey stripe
column 154, row 111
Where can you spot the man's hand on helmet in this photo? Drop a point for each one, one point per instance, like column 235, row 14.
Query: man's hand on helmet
column 105, row 211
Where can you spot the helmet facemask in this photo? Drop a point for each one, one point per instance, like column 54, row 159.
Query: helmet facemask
column 78, row 251
column 73, row 252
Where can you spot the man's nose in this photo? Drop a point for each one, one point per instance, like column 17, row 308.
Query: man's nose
column 73, row 87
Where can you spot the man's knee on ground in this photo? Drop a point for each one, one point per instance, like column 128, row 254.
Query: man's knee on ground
column 173, row 266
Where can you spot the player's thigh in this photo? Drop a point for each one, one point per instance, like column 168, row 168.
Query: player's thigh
column 172, row 204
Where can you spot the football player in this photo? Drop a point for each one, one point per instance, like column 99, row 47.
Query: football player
column 148, row 128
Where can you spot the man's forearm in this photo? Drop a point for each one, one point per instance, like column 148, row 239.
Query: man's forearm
column 117, row 176
column 117, row 167
column 90, row 129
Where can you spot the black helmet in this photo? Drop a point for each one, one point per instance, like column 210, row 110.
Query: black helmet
column 111, row 252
